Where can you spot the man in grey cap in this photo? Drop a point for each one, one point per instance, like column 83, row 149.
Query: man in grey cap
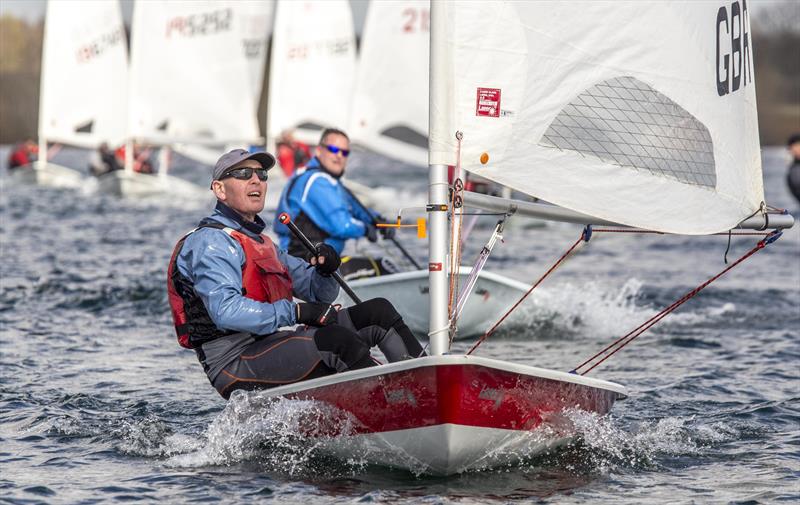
column 231, row 290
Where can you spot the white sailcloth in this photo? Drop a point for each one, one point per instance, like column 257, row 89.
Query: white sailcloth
column 653, row 125
column 254, row 26
column 191, row 77
column 390, row 103
column 84, row 74
column 312, row 68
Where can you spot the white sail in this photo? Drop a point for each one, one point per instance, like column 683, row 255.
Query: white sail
column 191, row 78
column 84, row 74
column 651, row 126
column 254, row 26
column 390, row 103
column 312, row 68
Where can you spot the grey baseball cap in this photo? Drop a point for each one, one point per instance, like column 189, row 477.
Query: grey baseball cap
column 232, row 158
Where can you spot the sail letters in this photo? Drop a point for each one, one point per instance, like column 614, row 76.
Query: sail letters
column 736, row 69
column 205, row 23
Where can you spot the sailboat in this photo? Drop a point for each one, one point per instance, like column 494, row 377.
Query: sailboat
column 312, row 67
column 311, row 78
column 83, row 85
column 253, row 24
column 190, row 82
column 514, row 86
column 390, row 102
column 634, row 126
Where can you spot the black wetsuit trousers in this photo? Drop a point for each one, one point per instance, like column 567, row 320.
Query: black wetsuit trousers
column 287, row 357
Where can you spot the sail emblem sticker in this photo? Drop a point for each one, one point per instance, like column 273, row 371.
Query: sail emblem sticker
column 488, row 102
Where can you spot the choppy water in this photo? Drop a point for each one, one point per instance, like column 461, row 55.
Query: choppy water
column 98, row 403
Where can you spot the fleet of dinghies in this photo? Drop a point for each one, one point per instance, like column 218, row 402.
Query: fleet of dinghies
column 640, row 128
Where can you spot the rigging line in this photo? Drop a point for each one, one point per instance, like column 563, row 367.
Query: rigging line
column 630, row 336
column 455, row 245
column 583, row 238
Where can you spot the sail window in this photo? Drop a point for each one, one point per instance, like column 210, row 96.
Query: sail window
column 625, row 122
column 406, row 135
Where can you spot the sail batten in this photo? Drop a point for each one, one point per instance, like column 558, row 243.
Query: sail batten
column 640, row 126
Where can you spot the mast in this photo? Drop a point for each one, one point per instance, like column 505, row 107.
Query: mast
column 437, row 190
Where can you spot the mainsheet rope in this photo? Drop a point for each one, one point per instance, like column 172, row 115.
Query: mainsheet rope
column 631, row 336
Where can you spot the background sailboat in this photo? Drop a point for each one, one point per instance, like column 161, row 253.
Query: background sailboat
column 390, row 100
column 191, row 82
column 312, row 66
column 83, row 84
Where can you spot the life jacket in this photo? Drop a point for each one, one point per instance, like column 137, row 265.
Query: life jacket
column 264, row 279
column 18, row 158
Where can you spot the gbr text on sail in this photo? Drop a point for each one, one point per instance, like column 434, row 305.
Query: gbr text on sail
column 734, row 67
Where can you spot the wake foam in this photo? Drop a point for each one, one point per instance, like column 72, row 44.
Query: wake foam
column 279, row 434
column 597, row 312
column 602, row 445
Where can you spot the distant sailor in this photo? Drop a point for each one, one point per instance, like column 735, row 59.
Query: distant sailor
column 320, row 204
column 23, row 154
column 793, row 177
column 230, row 292
column 103, row 161
column 291, row 153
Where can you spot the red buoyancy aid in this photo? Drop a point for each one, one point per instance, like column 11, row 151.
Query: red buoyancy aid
column 264, row 279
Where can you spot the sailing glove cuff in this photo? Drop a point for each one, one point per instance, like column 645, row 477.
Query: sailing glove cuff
column 315, row 314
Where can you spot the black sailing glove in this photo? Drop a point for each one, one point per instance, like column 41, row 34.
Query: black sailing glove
column 372, row 233
column 315, row 314
column 326, row 260
column 386, row 232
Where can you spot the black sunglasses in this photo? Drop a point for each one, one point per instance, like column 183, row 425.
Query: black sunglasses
column 334, row 150
column 244, row 174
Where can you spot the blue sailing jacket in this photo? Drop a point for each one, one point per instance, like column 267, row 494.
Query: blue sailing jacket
column 212, row 260
column 325, row 201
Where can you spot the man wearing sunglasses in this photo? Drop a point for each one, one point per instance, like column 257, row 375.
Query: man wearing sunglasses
column 320, row 204
column 231, row 291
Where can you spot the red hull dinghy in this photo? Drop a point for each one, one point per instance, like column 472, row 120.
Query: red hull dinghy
column 569, row 115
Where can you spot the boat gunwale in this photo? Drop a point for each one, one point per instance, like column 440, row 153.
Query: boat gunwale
column 419, row 274
column 449, row 360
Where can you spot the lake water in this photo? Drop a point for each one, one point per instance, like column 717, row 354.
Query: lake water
column 99, row 404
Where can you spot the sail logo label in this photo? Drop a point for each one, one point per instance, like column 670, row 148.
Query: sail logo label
column 487, row 102
column 734, row 63
column 205, row 23
column 100, row 45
